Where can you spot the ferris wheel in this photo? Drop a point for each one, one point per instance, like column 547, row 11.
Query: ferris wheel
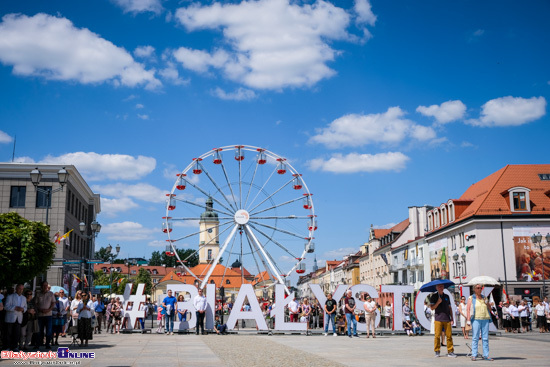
column 245, row 206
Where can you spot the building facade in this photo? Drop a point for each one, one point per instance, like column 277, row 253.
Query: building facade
column 488, row 231
column 65, row 208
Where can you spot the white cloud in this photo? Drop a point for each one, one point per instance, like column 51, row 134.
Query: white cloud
column 141, row 191
column 143, row 117
column 445, row 112
column 139, row 106
column 54, row 49
column 354, row 162
column 24, row 159
column 364, row 12
column 467, row 144
column 128, row 231
column 271, row 44
column 157, row 243
column 200, row 61
column 111, row 207
column 339, row 253
column 241, row 94
column 5, row 138
column 140, row 6
column 422, row 133
column 171, row 75
column 355, row 130
column 510, row 111
column 144, row 51
column 98, row 167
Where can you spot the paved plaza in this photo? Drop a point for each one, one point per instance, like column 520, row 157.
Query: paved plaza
column 250, row 349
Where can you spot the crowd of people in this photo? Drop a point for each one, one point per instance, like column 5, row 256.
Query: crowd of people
column 38, row 320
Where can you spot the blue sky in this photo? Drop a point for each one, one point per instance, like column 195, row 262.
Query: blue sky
column 380, row 105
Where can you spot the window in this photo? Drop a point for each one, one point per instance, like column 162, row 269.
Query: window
column 453, row 243
column 17, row 196
column 227, row 281
column 421, row 276
column 44, row 197
column 519, row 201
column 461, row 238
column 155, row 271
column 155, row 280
column 210, row 254
column 544, row 176
column 133, row 271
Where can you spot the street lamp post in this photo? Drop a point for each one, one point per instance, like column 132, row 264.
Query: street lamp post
column 109, row 248
column 537, row 239
column 36, row 176
column 96, row 228
column 460, row 269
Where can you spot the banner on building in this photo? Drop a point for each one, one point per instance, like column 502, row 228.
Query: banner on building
column 439, row 266
column 529, row 260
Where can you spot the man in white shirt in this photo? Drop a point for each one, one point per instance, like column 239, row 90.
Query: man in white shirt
column 200, row 306
column 16, row 304
column 293, row 308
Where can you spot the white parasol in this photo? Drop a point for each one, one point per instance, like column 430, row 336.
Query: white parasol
column 483, row 280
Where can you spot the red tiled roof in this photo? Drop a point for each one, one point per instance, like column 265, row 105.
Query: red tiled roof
column 490, row 195
column 235, row 279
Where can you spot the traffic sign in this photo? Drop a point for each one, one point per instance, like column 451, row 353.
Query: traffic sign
column 101, row 287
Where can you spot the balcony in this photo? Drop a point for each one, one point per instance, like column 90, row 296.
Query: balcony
column 416, row 262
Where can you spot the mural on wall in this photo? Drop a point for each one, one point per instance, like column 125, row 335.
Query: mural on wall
column 529, row 259
column 439, row 267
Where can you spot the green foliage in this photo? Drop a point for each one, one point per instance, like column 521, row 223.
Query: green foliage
column 160, row 258
column 25, row 249
column 144, row 277
column 105, row 256
column 101, row 278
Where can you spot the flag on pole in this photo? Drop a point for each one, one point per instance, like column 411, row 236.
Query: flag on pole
column 76, row 278
column 56, row 237
column 505, row 295
column 85, row 281
column 119, row 281
column 61, row 238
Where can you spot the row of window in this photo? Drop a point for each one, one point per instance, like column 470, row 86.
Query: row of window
column 18, row 196
column 461, row 241
column 76, row 207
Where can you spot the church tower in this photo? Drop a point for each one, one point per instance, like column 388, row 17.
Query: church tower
column 209, row 240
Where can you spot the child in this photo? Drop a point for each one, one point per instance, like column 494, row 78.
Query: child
column 221, row 329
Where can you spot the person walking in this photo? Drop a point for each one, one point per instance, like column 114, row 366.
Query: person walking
column 65, row 306
column 478, row 313
column 99, row 309
column 349, row 310
column 109, row 316
column 74, row 305
column 441, row 304
column 462, row 310
column 200, row 306
column 160, row 319
column 388, row 314
column 169, row 303
column 370, row 315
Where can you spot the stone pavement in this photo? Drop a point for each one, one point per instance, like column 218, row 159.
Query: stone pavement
column 249, row 349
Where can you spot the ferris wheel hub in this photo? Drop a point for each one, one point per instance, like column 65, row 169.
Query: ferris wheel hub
column 241, row 217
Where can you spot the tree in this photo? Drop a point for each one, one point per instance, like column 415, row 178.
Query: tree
column 101, row 278
column 156, row 259
column 105, row 256
column 159, row 259
column 144, row 277
column 25, row 249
